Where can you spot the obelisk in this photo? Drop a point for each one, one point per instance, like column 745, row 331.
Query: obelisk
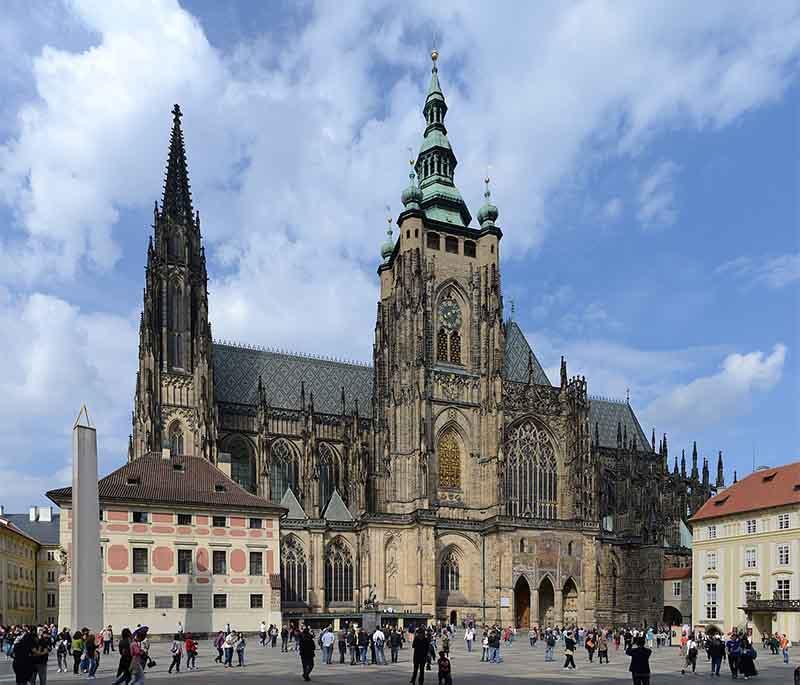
column 87, row 586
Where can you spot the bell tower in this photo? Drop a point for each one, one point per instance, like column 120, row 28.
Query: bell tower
column 439, row 341
column 173, row 406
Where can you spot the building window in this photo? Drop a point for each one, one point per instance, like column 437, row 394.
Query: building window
column 455, row 347
column 750, row 558
column 750, row 589
column 176, row 438
column 676, row 588
column 184, row 519
column 783, row 555
column 51, row 556
column 220, row 601
column 51, row 600
column 449, row 579
column 441, row 345
column 451, row 245
column 338, row 572
column 140, row 559
column 184, row 562
column 162, row 602
column 783, row 589
column 51, row 576
column 184, row 601
column 783, row 521
column 711, row 561
column 220, row 563
column 256, row 523
column 140, row 600
column 293, row 571
column 256, row 601
column 256, row 564
column 469, row 248
column 218, row 521
column 531, row 482
column 712, row 532
column 449, row 454
column 329, row 474
column 711, row 601
column 284, row 470
column 522, row 546
column 242, row 465
column 751, row 526
column 140, row 517
column 433, row 241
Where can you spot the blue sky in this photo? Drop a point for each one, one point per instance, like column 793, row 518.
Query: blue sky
column 643, row 157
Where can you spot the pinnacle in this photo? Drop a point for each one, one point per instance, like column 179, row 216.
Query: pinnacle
column 177, row 200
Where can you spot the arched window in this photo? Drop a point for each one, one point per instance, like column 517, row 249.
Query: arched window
column 441, row 345
column 175, row 439
column 242, row 466
column 294, row 584
column 174, row 322
column 338, row 572
column 613, row 585
column 449, row 579
column 449, row 454
column 455, row 347
column 569, row 548
column 328, row 474
column 433, row 241
column 283, row 471
column 522, row 545
column 531, row 481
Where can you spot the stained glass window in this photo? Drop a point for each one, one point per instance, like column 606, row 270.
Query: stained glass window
column 328, row 474
column 449, row 579
column 283, row 470
column 293, row 571
column 449, row 454
column 242, row 467
column 338, row 572
column 441, row 345
column 176, row 439
column 455, row 348
column 531, row 480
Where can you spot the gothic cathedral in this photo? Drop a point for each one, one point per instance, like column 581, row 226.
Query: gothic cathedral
column 451, row 477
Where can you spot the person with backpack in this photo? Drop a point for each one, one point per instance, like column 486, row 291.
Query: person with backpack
column 219, row 645
column 420, row 647
column 590, row 646
column 747, row 657
column 732, row 649
column 191, row 652
column 716, row 650
column 549, row 645
column 176, row 650
column 138, row 659
column 640, row 661
column 124, row 649
column 306, row 647
column 379, row 638
column 569, row 652
column 445, row 669
column 602, row 646
column 691, row 655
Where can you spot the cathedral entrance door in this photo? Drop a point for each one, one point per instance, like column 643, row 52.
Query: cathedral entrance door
column 547, row 600
column 522, row 603
column 570, row 604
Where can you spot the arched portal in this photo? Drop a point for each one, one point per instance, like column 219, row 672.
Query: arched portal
column 672, row 617
column 522, row 603
column 570, row 603
column 547, row 600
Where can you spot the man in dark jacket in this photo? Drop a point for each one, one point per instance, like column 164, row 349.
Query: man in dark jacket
column 421, row 646
column 716, row 650
column 307, row 647
column 395, row 639
column 640, row 662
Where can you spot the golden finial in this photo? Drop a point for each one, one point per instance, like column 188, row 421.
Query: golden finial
column 434, row 55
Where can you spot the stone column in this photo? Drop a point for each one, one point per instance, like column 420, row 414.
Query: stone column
column 535, row 607
column 87, row 587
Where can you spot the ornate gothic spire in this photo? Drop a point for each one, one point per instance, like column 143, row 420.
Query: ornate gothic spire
column 695, row 472
column 436, row 162
column 177, row 201
column 720, row 474
column 683, row 463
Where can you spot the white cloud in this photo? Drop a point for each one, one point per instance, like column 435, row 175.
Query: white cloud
column 774, row 272
column 657, row 197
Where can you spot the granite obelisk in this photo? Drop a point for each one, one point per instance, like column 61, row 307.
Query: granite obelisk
column 87, row 586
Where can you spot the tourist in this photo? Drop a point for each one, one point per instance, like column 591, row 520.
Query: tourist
column 691, row 655
column 379, row 639
column 124, row 667
column 21, row 652
column 219, row 645
column 445, row 676
column 240, row 646
column 395, row 642
column 747, row 657
column 138, row 659
column 176, row 650
column 62, row 652
column 144, row 643
column 716, row 650
column 590, row 644
column 602, row 646
column 284, row 639
column 640, row 661
column 107, row 635
column 77, row 651
column 90, row 649
column 784, row 644
column 421, row 648
column 732, row 648
column 262, row 634
column 191, row 652
column 485, row 647
column 569, row 651
column 179, row 630
column 532, row 637
column 549, row 645
column 327, row 641
column 363, row 643
column 446, row 645
column 341, row 641
column 40, row 651
column 352, row 645
column 227, row 648
column 306, row 648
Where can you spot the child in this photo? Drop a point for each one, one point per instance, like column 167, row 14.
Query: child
column 444, row 670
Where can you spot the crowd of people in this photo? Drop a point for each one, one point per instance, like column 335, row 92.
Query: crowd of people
column 81, row 651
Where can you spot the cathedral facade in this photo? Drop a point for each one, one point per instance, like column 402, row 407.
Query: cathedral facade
column 448, row 478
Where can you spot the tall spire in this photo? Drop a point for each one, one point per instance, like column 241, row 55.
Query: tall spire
column 720, row 474
column 177, row 201
column 436, row 162
column 695, row 472
column 683, row 463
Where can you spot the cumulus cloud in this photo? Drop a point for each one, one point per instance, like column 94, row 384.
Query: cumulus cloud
column 774, row 272
column 657, row 197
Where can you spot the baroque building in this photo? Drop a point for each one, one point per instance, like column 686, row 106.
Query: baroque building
column 450, row 477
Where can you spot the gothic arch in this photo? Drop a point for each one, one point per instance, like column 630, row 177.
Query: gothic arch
column 294, row 570
column 329, row 463
column 176, row 437
column 531, row 470
column 339, row 571
column 451, row 564
column 392, row 558
column 450, row 458
column 452, row 343
column 284, row 469
column 461, row 536
column 243, row 465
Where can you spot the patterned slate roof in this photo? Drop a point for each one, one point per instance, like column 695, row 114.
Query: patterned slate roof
column 177, row 480
column 236, row 372
column 515, row 365
column 608, row 414
column 336, row 509
column 44, row 532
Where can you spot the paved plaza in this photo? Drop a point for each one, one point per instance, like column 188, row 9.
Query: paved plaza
column 520, row 664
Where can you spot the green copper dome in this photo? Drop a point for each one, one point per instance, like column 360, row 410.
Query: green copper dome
column 388, row 247
column 487, row 214
column 412, row 195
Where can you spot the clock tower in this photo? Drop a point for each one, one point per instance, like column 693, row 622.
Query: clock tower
column 439, row 342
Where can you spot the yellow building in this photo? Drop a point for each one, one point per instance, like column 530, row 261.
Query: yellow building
column 746, row 555
column 17, row 575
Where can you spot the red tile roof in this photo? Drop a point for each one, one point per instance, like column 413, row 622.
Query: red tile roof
column 677, row 573
column 762, row 489
column 177, row 480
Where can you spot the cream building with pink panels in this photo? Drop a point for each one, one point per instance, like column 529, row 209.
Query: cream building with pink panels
column 180, row 541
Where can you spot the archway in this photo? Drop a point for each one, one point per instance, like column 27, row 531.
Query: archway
column 453, row 617
column 570, row 603
column 547, row 600
column 672, row 617
column 522, row 603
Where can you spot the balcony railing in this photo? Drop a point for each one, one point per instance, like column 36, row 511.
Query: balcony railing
column 777, row 603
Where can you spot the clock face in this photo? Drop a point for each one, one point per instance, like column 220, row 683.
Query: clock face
column 450, row 314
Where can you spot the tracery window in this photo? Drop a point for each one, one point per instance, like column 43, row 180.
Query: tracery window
column 338, row 572
column 175, row 439
column 329, row 474
column 455, row 347
column 284, row 470
column 449, row 578
column 441, row 345
column 174, row 325
column 449, row 454
column 241, row 463
column 294, row 574
column 531, row 480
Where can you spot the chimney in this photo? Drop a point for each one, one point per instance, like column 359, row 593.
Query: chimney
column 32, row 514
column 46, row 514
column 2, row 509
column 224, row 463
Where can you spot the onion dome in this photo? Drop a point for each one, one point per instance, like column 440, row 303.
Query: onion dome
column 412, row 195
column 388, row 247
column 487, row 214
